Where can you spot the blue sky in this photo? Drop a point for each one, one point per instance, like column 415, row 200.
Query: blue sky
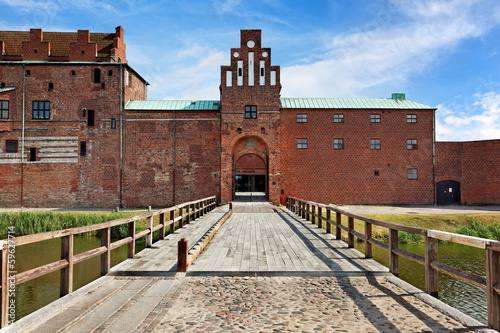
column 440, row 53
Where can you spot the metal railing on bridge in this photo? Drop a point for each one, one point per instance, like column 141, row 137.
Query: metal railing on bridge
column 178, row 216
column 313, row 212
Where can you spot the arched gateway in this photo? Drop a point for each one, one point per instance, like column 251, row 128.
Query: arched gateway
column 250, row 160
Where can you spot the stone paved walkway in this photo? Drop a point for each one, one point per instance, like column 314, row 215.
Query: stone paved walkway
column 299, row 304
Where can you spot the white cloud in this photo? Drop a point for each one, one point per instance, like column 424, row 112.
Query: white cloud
column 478, row 121
column 384, row 54
column 193, row 73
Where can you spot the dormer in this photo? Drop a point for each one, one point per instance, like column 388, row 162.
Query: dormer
column 36, row 48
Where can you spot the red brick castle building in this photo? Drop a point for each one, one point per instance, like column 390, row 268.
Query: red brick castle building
column 76, row 129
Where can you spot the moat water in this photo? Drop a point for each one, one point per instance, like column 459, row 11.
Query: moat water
column 39, row 292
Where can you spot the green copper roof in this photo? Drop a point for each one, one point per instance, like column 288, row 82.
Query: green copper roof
column 350, row 103
column 172, row 105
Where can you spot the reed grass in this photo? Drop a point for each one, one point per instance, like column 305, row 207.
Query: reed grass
column 31, row 223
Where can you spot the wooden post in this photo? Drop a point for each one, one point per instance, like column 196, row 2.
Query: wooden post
column 188, row 214
column 393, row 258
column 149, row 225
column 308, row 209
column 131, row 245
column 4, row 305
column 162, row 223
column 320, row 214
column 328, row 224
column 338, row 231
column 230, row 206
column 350, row 236
column 172, row 218
column 202, row 210
column 205, row 203
column 106, row 256
column 431, row 275
column 182, row 256
column 313, row 211
column 368, row 245
column 66, row 281
column 492, row 279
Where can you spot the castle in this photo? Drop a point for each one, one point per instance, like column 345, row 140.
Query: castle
column 76, row 129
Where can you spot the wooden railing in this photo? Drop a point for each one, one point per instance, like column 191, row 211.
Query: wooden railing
column 172, row 217
column 313, row 212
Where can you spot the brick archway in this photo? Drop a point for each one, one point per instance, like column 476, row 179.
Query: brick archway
column 245, row 146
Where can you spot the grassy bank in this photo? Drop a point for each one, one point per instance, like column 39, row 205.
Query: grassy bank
column 478, row 225
column 31, row 223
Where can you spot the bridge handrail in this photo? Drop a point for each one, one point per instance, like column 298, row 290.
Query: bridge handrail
column 312, row 211
column 179, row 215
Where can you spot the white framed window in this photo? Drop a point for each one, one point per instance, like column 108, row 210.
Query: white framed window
column 412, row 173
column 301, row 143
column 301, row 118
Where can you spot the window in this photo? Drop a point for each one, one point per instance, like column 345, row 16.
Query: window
column 41, row 110
column 113, row 123
column 11, row 146
column 301, row 143
column 73, row 73
column 32, row 154
column 412, row 174
column 374, row 118
column 83, row 148
column 97, row 75
column 251, row 112
column 263, row 130
column 411, row 144
column 28, row 73
column 375, row 144
column 4, row 109
column 376, row 173
column 302, row 118
column 51, row 86
column 90, row 118
column 338, row 118
column 411, row 118
column 110, row 72
column 338, row 144
column 103, row 86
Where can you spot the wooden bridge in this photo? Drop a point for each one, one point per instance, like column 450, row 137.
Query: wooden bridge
column 249, row 266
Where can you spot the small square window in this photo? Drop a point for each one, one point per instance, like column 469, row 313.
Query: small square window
column 73, row 73
column 263, row 130
column 113, row 123
column 41, row 110
column 412, row 173
column 338, row 144
column 11, row 146
column 411, row 118
column 375, row 144
column 302, row 118
column 338, row 118
column 110, row 72
column 4, row 109
column 376, row 173
column 301, row 143
column 51, row 86
column 251, row 112
column 28, row 73
column 411, row 144
column 374, row 118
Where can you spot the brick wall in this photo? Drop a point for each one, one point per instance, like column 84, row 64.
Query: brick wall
column 475, row 164
column 321, row 173
column 60, row 176
column 149, row 176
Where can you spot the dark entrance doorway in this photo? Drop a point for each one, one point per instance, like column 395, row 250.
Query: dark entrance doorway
column 448, row 192
column 250, row 183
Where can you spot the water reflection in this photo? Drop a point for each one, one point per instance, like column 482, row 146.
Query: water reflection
column 35, row 294
column 463, row 296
